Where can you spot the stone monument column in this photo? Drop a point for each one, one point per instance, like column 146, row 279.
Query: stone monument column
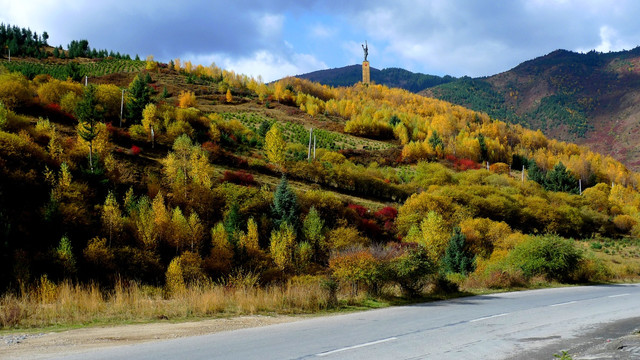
column 366, row 71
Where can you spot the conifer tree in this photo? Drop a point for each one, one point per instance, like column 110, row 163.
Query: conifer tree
column 140, row 93
column 457, row 258
column 285, row 205
column 88, row 115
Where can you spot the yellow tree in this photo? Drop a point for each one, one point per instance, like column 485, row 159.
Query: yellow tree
column 250, row 240
column 179, row 229
column 150, row 118
column 196, row 231
column 435, row 236
column 151, row 64
column 221, row 256
column 187, row 99
column 275, row 145
column 282, row 246
column 229, row 97
column 111, row 216
column 161, row 217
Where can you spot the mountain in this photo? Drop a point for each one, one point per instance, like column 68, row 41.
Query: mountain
column 391, row 77
column 588, row 98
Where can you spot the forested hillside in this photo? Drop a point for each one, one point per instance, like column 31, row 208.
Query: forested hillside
column 207, row 193
column 585, row 98
column 391, row 77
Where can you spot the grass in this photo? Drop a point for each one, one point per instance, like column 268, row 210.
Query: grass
column 65, row 306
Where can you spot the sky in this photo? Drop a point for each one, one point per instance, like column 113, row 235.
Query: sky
column 277, row 38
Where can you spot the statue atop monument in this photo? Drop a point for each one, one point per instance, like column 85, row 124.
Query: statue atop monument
column 365, row 47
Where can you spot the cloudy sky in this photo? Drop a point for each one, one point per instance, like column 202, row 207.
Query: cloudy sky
column 276, row 38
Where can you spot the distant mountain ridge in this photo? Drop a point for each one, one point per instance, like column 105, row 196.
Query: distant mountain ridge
column 391, row 77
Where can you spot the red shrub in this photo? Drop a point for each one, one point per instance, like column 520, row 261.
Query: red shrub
column 135, row 150
column 467, row 164
column 359, row 209
column 238, row 177
column 370, row 228
column 388, row 213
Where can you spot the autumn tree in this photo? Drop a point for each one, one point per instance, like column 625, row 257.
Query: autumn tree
column 275, row 145
column 3, row 115
column 111, row 216
column 312, row 229
column 151, row 119
column 151, row 65
column 282, row 246
column 179, row 230
column 221, row 257
column 196, row 231
column 434, row 236
column 187, row 163
column 250, row 239
column 161, row 217
column 228, row 96
column 187, row 99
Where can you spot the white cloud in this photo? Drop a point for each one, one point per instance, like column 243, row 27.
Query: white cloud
column 262, row 63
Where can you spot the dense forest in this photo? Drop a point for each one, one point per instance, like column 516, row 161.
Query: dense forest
column 199, row 178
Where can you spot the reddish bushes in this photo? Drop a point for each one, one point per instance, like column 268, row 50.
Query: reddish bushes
column 238, row 177
column 463, row 164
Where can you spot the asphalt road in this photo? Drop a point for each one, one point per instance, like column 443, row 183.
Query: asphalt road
column 500, row 326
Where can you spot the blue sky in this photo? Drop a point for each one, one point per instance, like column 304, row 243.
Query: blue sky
column 288, row 37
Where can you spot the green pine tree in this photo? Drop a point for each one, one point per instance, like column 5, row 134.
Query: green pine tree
column 88, row 115
column 285, row 205
column 457, row 259
column 140, row 96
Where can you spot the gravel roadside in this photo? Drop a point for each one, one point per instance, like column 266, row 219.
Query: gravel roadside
column 44, row 345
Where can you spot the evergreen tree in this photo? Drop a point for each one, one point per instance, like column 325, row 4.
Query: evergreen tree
column 483, row 148
column 140, row 96
column 535, row 173
column 88, row 115
column 233, row 223
column 285, row 205
column 436, row 142
column 457, row 259
column 560, row 179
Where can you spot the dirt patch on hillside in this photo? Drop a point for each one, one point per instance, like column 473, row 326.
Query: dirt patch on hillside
column 45, row 345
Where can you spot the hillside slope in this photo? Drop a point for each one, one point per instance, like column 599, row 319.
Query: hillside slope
column 590, row 99
column 391, row 77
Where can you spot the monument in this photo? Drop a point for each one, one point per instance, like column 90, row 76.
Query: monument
column 366, row 72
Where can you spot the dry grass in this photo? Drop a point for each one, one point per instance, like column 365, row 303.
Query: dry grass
column 68, row 304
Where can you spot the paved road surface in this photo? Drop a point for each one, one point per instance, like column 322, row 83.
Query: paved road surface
column 500, row 326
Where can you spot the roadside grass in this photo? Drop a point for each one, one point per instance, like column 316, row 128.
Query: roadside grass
column 65, row 306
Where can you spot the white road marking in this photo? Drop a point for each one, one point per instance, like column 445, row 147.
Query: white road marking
column 356, row 346
column 564, row 303
column 488, row 317
column 619, row 295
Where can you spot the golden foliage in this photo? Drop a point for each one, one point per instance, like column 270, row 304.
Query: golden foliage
column 187, row 99
column 14, row 90
column 275, row 145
